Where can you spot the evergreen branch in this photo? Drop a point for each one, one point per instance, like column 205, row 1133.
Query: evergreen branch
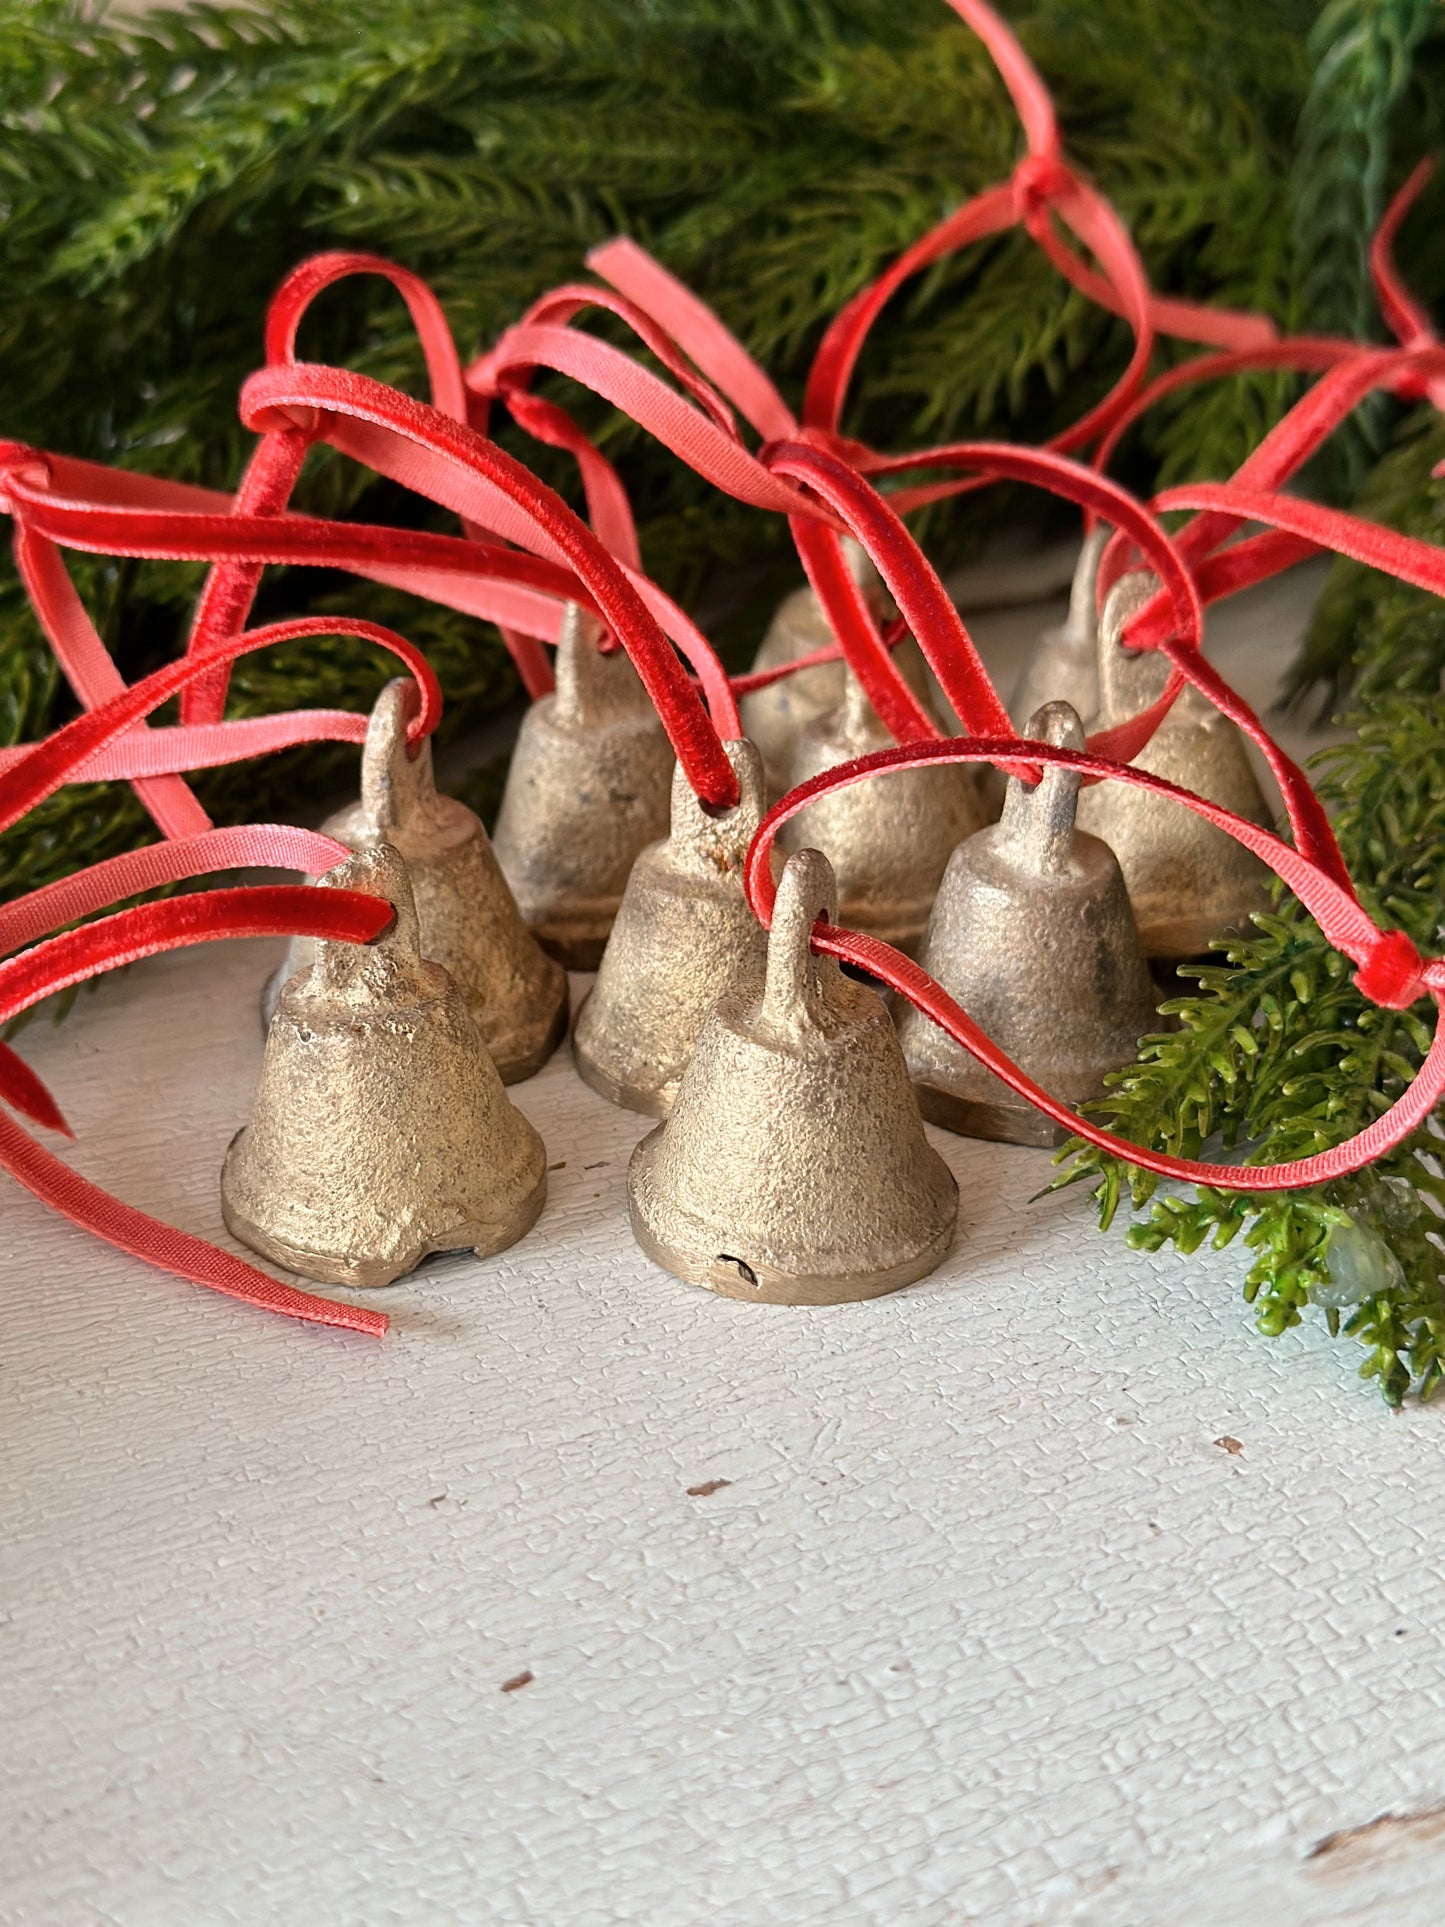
column 1277, row 1051
column 159, row 177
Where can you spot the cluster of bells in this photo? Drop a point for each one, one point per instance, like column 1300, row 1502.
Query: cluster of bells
column 791, row 1164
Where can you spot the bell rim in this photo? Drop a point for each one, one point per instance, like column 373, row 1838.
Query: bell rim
column 332, row 1268
column 646, row 1100
column 991, row 1122
column 774, row 1284
column 526, row 1061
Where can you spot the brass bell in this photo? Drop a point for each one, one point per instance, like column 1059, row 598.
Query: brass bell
column 380, row 1130
column 888, row 840
column 468, row 919
column 794, row 1168
column 774, row 717
column 1189, row 881
column 684, row 934
column 587, row 791
column 1063, row 665
column 1032, row 934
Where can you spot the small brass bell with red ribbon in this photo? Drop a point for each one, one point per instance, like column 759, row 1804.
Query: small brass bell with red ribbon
column 1063, row 665
column 1189, row 882
column 1032, row 934
column 888, row 840
column 468, row 919
column 794, row 1167
column 587, row 791
column 774, row 717
column 380, row 1130
column 684, row 934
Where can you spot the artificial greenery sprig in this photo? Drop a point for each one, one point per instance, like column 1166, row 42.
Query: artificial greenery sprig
column 1278, row 1056
column 160, row 176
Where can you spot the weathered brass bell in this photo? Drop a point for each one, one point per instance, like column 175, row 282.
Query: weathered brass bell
column 888, row 840
column 468, row 919
column 794, row 1168
column 774, row 717
column 380, row 1130
column 684, row 934
column 1188, row 881
column 1032, row 934
column 1063, row 665
column 587, row 791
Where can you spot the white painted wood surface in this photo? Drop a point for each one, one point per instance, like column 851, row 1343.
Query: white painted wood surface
column 947, row 1608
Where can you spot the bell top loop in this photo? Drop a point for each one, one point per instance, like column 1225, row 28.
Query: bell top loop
column 711, row 844
column 797, row 992
column 864, row 572
column 593, row 689
column 392, row 961
column 398, row 787
column 1037, row 825
column 1129, row 679
column 861, row 722
column 855, row 727
column 1083, row 616
column 1064, row 662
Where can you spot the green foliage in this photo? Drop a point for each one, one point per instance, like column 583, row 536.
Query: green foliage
column 1363, row 56
column 1371, row 634
column 1277, row 1056
column 1363, row 53
column 158, row 178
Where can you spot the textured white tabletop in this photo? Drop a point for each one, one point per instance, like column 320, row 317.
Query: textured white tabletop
column 947, row 1608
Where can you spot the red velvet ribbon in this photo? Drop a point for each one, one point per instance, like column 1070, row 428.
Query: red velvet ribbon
column 702, row 432
column 523, row 553
column 1390, row 971
column 272, row 910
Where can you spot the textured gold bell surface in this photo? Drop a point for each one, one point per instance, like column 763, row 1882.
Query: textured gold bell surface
column 1032, row 934
column 380, row 1130
column 889, row 839
column 1063, row 665
column 468, row 919
column 774, row 717
column 684, row 934
column 588, row 789
column 794, row 1167
column 1189, row 882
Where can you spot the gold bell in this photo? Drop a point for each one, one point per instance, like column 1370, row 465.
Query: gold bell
column 1189, row 881
column 794, row 1169
column 774, row 717
column 380, row 1130
column 888, row 840
column 1033, row 935
column 684, row 934
column 468, row 919
column 587, row 791
column 1063, row 665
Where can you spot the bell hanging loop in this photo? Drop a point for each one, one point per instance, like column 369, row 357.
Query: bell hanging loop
column 685, row 933
column 794, row 1167
column 1033, row 935
column 888, row 840
column 468, row 920
column 380, row 1131
column 587, row 791
column 774, row 717
column 1189, row 882
column 1063, row 665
